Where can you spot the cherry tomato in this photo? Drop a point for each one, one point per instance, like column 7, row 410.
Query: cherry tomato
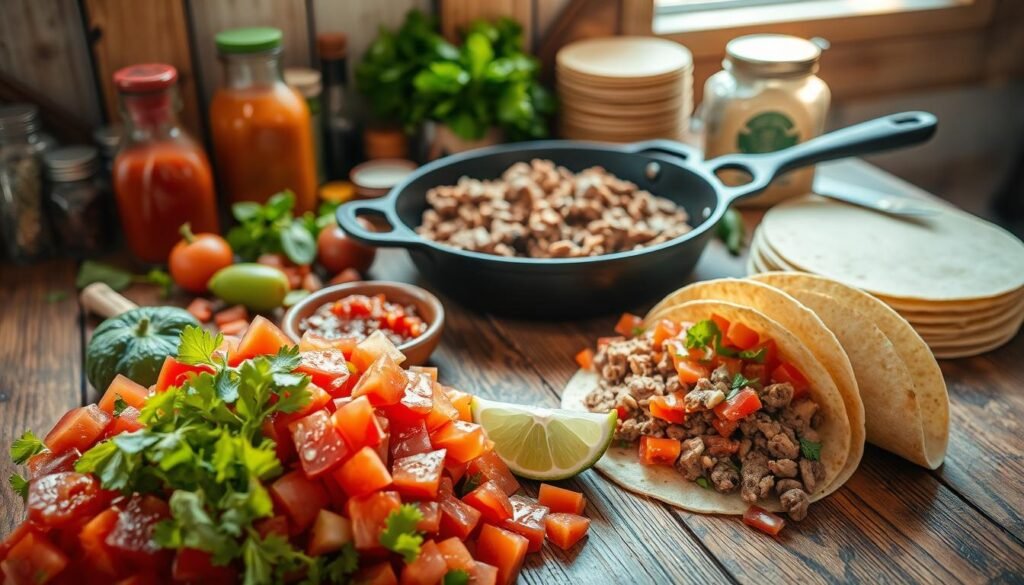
column 336, row 251
column 196, row 258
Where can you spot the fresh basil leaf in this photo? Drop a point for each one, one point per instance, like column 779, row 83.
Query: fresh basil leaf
column 298, row 244
column 246, row 210
column 92, row 272
column 25, row 446
column 810, row 449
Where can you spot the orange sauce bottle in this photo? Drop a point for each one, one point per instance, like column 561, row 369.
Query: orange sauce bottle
column 161, row 177
column 262, row 138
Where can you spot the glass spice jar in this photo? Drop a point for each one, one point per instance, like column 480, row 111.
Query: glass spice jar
column 23, row 228
column 766, row 98
column 75, row 198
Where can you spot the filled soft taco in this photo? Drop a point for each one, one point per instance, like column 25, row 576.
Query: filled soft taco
column 720, row 408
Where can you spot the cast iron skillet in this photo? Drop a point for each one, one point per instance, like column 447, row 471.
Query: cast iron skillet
column 562, row 287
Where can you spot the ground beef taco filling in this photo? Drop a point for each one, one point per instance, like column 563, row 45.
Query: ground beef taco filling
column 732, row 420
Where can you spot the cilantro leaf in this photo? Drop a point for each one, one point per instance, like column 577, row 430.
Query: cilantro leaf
column 400, row 534
column 703, row 482
column 25, row 446
column 197, row 345
column 192, row 526
column 456, row 577
column 638, row 331
column 755, row 355
column 119, row 405
column 702, row 334
column 338, row 569
column 472, row 482
column 19, row 484
column 739, row 381
column 810, row 449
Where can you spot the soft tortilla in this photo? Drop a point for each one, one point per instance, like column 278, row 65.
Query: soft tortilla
column 919, row 411
column 664, row 483
column 800, row 321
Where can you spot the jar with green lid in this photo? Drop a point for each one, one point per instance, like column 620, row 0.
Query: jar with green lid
column 766, row 98
column 23, row 226
column 75, row 198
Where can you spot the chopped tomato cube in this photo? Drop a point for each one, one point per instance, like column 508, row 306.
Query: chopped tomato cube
column 430, row 371
column 363, row 473
column 456, row 555
column 742, row 404
column 300, row 498
column 80, row 428
column 409, row 438
column 565, row 530
column 443, row 410
column 741, row 336
column 368, row 514
column 629, row 325
column 318, row 443
column 275, row 428
column 462, row 401
column 192, row 565
column 457, row 517
column 418, row 476
column 33, row 559
column 771, row 354
column 261, row 338
column 379, row 574
column 133, row 394
column 328, row 369
column 763, row 520
column 431, row 521
column 492, row 467
column 527, row 520
column 201, row 309
column 669, row 408
column 358, row 424
column 659, row 451
column 561, row 500
column 585, row 358
column 492, row 502
column 132, row 536
column 725, row 428
column 311, row 342
column 788, row 373
column 464, row 441
column 417, row 399
column 734, row 365
column 49, row 462
column 330, row 532
column 372, row 349
column 689, row 371
column 483, row 574
column 722, row 323
column 274, row 525
column 503, row 549
column 175, row 373
column 383, row 383
column 663, row 330
column 233, row 313
column 318, row 399
column 126, row 422
column 428, row 568
column 93, row 537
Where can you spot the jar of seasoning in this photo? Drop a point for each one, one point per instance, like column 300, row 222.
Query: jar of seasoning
column 766, row 98
column 75, row 199
column 307, row 83
column 262, row 137
column 22, row 222
column 162, row 178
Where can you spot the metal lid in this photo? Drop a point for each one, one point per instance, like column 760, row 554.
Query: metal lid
column 71, row 163
column 18, row 119
column 305, row 81
column 108, row 138
column 248, row 40
column 145, row 78
column 769, row 55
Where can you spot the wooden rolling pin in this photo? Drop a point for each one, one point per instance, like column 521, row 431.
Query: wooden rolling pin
column 100, row 299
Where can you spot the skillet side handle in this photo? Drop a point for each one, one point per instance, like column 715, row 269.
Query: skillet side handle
column 400, row 236
column 880, row 134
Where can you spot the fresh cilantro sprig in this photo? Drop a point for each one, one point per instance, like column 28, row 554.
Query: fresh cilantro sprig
column 706, row 335
column 25, row 446
column 19, row 484
column 400, row 535
column 456, row 577
column 810, row 449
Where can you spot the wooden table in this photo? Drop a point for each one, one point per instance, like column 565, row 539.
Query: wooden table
column 892, row 522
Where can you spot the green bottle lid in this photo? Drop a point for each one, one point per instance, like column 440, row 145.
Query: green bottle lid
column 248, row 40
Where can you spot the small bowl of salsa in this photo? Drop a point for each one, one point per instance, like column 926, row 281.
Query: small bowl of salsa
column 409, row 316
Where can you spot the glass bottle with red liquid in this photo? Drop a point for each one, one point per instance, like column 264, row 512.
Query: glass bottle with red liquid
column 161, row 177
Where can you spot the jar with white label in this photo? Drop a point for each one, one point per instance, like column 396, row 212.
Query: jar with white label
column 766, row 98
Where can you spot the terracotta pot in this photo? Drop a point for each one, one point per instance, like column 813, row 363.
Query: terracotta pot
column 444, row 142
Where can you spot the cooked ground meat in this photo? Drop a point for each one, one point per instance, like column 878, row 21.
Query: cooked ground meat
column 783, row 467
column 757, row 480
column 689, row 463
column 812, row 473
column 795, row 502
column 776, row 396
column 724, row 477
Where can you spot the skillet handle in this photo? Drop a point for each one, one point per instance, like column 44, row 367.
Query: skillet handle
column 885, row 133
column 664, row 146
column 400, row 236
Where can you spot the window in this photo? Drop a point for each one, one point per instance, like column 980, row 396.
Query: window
column 681, row 6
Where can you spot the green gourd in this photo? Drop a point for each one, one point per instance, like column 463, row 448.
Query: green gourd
column 134, row 344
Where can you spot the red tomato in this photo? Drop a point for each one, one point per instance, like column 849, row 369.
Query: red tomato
column 491, row 501
column 503, row 549
column 274, row 525
column 527, row 520
column 456, row 556
column 722, row 323
column 275, row 428
column 196, row 258
column 379, row 574
column 725, row 428
column 664, row 330
column 368, row 514
column 383, row 383
column 741, row 336
column 330, row 532
column 34, row 559
column 457, row 518
column 175, row 373
column 362, row 474
column 771, row 354
column 131, row 539
column 561, row 500
column 317, row 443
column 492, row 467
column 585, row 359
column 659, row 451
column 565, row 530
column 328, row 369
column 689, row 372
column 261, row 338
column 483, row 574
column 461, row 401
column 133, row 394
column 419, row 476
column 629, row 325
column 734, row 365
column 740, row 406
column 788, row 373
column 336, row 251
column 417, row 399
column 443, row 411
column 669, row 408
column 126, row 422
column 358, row 425
column 299, row 497
column 80, row 428
column 372, row 348
column 431, row 521
column 763, row 520
column 312, row 342
column 196, row 566
column 429, row 567
column 464, row 441
column 49, row 462
column 93, row 537
column 408, row 438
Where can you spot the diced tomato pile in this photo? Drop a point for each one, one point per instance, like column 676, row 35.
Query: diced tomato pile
column 374, row 443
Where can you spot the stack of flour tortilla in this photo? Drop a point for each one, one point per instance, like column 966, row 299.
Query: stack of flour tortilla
column 957, row 279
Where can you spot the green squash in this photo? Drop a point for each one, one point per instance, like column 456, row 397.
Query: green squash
column 134, row 344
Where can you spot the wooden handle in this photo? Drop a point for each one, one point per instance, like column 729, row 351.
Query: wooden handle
column 104, row 301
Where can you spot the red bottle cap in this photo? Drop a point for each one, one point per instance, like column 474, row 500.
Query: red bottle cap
column 146, row 77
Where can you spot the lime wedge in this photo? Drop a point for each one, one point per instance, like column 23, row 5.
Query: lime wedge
column 545, row 443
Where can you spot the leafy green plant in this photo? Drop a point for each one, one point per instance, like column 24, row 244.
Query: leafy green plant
column 271, row 229
column 414, row 75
